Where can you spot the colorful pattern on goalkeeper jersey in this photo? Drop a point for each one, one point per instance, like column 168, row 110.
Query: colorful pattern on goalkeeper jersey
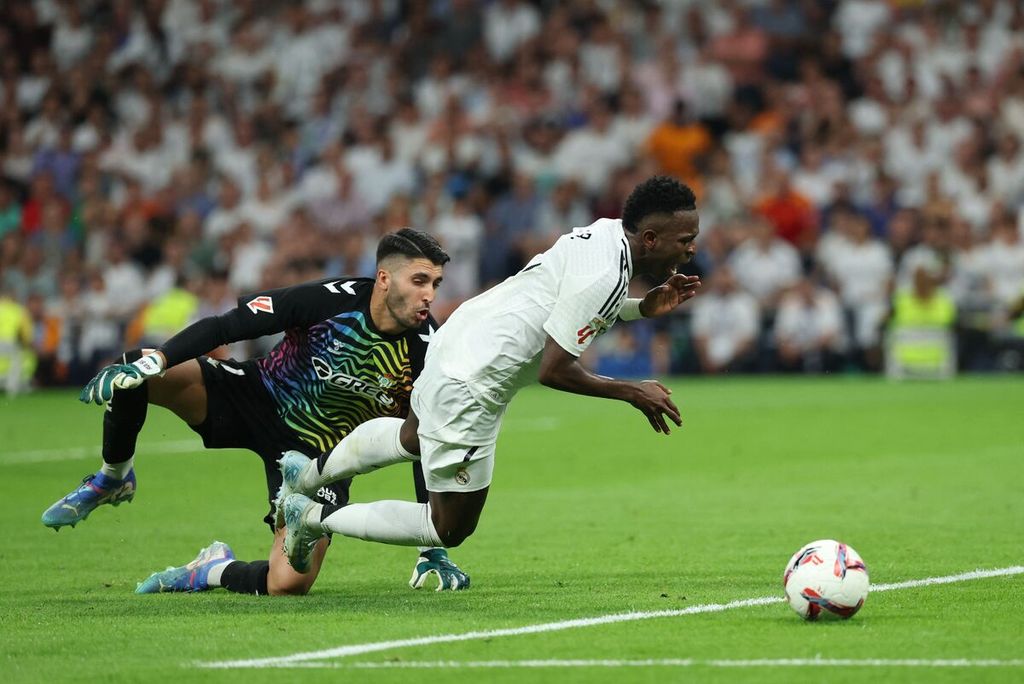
column 336, row 374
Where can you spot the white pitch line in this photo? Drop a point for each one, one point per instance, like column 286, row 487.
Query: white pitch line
column 74, row 453
column 664, row 662
column 372, row 647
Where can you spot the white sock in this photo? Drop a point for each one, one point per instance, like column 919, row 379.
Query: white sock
column 213, row 579
column 372, row 445
column 392, row 522
column 118, row 471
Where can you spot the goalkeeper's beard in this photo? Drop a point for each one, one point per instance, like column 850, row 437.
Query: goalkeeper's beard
column 404, row 313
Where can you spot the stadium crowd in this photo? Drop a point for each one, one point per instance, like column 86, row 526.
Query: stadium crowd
column 859, row 163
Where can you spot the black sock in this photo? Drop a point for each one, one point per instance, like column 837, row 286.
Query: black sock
column 326, row 509
column 123, row 420
column 246, row 578
column 422, row 496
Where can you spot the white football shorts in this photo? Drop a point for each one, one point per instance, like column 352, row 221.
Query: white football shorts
column 457, row 434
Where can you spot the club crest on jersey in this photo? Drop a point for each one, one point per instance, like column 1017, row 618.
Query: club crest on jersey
column 596, row 326
column 261, row 303
column 325, row 372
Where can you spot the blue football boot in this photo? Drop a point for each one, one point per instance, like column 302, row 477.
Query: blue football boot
column 299, row 539
column 95, row 490
column 191, row 577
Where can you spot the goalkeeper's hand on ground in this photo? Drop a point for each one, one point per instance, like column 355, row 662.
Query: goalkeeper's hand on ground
column 117, row 376
column 436, row 562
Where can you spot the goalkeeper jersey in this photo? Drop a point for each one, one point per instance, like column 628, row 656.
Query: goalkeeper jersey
column 333, row 369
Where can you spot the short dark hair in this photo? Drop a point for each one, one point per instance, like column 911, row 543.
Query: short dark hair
column 413, row 244
column 656, row 195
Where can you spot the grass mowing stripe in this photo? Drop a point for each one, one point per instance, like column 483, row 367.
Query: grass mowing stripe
column 661, row 662
column 359, row 649
column 181, row 446
column 74, row 453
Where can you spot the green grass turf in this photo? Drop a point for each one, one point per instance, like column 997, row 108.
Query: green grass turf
column 590, row 513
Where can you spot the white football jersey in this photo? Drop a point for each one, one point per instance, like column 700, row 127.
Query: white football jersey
column 572, row 292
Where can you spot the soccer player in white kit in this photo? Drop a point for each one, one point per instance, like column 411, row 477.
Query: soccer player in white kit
column 532, row 327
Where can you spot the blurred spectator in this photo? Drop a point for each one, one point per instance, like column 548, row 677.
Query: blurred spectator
column 380, row 174
column 247, row 254
column 461, row 233
column 861, row 269
column 121, row 285
column 932, row 252
column 626, row 352
column 563, row 210
column 589, row 154
column 72, row 38
column 809, row 329
column 10, row 210
column 101, row 319
column 46, row 337
column 764, row 265
column 165, row 315
column 54, row 236
column 61, row 161
column 17, row 362
column 41, row 193
column 679, row 145
column 30, row 274
column 725, row 325
column 267, row 209
column 920, row 329
column 507, row 25
column 509, row 223
column 1003, row 262
column 743, row 48
column 790, row 212
column 228, row 212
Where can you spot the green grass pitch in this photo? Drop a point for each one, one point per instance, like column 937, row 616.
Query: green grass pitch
column 590, row 514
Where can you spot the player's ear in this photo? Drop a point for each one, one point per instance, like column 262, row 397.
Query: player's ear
column 383, row 279
column 649, row 238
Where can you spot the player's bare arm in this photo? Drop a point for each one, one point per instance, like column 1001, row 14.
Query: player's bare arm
column 562, row 371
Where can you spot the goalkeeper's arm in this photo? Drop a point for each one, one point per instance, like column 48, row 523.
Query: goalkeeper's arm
column 256, row 315
column 198, row 338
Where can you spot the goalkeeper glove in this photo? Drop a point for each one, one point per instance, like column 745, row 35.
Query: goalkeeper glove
column 100, row 389
column 436, row 562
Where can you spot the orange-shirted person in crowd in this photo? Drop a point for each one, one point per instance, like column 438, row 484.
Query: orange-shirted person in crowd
column 679, row 145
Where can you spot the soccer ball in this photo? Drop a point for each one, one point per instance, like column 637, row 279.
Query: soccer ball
column 825, row 578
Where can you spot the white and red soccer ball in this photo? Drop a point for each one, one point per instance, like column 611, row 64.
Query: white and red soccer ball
column 825, row 578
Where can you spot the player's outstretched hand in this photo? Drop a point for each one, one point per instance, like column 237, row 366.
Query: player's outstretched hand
column 117, row 376
column 652, row 399
column 436, row 562
column 670, row 294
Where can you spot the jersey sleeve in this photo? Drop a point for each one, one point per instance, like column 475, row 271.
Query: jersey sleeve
column 588, row 300
column 264, row 313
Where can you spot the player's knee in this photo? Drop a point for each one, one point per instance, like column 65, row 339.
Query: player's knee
column 408, row 437
column 452, row 535
column 451, row 539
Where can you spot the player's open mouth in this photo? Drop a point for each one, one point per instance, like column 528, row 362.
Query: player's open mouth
column 422, row 314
